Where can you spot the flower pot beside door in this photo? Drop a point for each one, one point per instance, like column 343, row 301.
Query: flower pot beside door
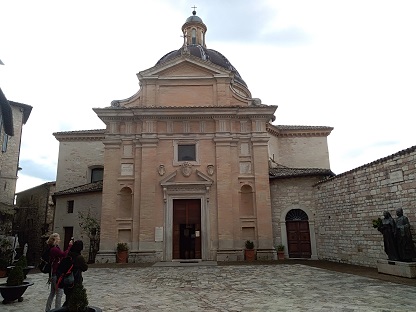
column 280, row 252
column 122, row 253
column 249, row 252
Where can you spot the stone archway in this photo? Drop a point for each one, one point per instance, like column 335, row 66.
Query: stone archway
column 311, row 224
column 298, row 236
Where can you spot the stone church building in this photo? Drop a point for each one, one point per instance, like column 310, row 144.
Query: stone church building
column 191, row 166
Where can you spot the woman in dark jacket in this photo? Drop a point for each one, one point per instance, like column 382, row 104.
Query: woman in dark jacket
column 79, row 266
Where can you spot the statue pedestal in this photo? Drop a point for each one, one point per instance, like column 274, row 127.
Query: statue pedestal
column 397, row 268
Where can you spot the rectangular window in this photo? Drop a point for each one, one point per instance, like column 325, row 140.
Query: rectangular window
column 70, row 206
column 186, row 152
column 97, row 174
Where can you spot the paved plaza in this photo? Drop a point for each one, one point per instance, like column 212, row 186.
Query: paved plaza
column 285, row 287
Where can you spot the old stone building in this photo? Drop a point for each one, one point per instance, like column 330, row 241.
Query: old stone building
column 9, row 158
column 34, row 217
column 186, row 163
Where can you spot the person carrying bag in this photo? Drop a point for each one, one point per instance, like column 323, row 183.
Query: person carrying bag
column 70, row 270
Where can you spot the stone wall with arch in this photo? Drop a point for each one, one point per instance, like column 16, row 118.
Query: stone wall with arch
column 288, row 194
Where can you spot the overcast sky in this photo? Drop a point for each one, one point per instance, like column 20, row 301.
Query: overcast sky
column 350, row 65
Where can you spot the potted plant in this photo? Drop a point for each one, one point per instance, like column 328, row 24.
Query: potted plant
column 122, row 253
column 78, row 301
column 280, row 252
column 15, row 286
column 249, row 252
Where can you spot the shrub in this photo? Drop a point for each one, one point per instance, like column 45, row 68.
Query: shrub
column 249, row 244
column 15, row 277
column 22, row 262
column 280, row 247
column 122, row 247
column 78, row 300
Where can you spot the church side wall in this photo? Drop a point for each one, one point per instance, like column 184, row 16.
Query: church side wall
column 303, row 152
column 347, row 204
column 75, row 157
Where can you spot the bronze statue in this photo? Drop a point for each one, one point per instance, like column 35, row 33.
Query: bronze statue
column 388, row 229
column 405, row 246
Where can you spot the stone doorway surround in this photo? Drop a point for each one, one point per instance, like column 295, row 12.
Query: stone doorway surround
column 283, row 230
column 194, row 189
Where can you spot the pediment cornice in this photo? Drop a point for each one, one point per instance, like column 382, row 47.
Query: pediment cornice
column 155, row 71
column 298, row 131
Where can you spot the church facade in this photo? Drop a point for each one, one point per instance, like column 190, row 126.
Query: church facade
column 186, row 163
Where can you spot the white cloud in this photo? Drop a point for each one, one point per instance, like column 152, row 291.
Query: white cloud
column 346, row 64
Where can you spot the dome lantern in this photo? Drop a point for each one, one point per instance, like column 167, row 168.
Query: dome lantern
column 194, row 30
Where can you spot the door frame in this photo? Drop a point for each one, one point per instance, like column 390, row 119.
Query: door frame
column 168, row 233
column 311, row 220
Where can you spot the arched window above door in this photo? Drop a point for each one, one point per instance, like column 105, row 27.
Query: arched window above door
column 296, row 215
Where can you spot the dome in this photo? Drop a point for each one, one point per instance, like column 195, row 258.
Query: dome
column 194, row 18
column 204, row 54
column 194, row 31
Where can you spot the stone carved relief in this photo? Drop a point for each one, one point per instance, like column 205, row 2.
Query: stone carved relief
column 186, row 169
column 210, row 170
column 161, row 170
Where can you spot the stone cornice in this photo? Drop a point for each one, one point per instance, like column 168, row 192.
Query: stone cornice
column 194, row 112
column 83, row 135
column 299, row 131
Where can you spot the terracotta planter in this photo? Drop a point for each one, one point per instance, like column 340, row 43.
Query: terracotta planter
column 250, row 254
column 280, row 255
column 121, row 256
column 12, row 293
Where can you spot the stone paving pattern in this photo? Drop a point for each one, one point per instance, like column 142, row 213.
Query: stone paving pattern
column 234, row 288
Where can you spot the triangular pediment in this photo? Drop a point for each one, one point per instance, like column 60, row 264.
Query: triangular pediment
column 184, row 66
column 186, row 69
column 177, row 178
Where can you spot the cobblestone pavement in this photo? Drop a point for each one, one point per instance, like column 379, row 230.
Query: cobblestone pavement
column 228, row 288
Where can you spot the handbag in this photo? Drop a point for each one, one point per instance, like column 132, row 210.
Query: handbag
column 44, row 266
column 69, row 279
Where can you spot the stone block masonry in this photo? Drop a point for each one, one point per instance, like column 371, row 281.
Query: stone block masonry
column 347, row 204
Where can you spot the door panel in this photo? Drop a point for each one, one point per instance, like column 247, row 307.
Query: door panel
column 298, row 239
column 186, row 244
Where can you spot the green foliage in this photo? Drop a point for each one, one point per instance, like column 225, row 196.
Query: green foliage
column 78, row 300
column 3, row 263
column 89, row 224
column 377, row 223
column 6, row 252
column 280, row 247
column 15, row 276
column 122, row 247
column 22, row 262
column 249, row 244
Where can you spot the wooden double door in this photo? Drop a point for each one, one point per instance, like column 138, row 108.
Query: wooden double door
column 298, row 239
column 186, row 238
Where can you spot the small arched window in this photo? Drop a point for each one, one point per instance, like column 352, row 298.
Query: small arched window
column 193, row 36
